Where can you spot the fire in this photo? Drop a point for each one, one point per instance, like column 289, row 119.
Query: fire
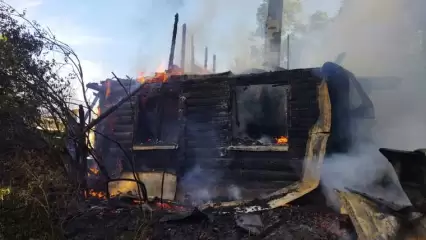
column 164, row 205
column 158, row 77
column 141, row 78
column 93, row 171
column 161, row 74
column 108, row 89
column 161, row 67
column 96, row 194
column 281, row 140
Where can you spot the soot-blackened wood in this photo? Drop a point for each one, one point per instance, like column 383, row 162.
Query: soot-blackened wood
column 115, row 141
column 207, row 121
column 208, row 128
column 181, row 152
column 156, row 160
column 302, row 114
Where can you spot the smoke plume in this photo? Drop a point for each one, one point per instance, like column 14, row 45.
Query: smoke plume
column 381, row 39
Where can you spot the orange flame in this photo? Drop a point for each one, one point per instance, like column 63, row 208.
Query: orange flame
column 160, row 75
column 93, row 171
column 140, row 78
column 281, row 140
column 93, row 193
column 108, row 89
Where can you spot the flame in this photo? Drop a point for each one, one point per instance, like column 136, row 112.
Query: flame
column 281, row 140
column 161, row 75
column 161, row 67
column 108, row 89
column 141, row 78
column 96, row 194
column 93, row 171
column 164, row 205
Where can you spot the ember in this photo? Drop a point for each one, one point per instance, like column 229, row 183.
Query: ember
column 162, row 205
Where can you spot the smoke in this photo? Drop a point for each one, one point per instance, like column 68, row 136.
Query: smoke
column 225, row 27
column 380, row 39
column 234, row 192
column 197, row 184
column 201, row 178
column 365, row 172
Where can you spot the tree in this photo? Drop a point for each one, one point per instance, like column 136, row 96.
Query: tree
column 31, row 162
column 292, row 9
column 30, row 85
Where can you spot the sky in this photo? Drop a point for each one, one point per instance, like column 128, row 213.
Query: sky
column 132, row 36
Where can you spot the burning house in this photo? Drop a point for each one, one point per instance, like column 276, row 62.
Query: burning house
column 225, row 136
column 197, row 135
column 228, row 138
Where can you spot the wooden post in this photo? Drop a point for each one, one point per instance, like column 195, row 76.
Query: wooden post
column 173, row 45
column 214, row 63
column 206, row 57
column 82, row 148
column 192, row 54
column 273, row 33
column 288, row 51
column 183, row 49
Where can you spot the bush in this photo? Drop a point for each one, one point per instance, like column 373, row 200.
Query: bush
column 35, row 192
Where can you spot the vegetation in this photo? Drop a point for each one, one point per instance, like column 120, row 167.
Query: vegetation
column 35, row 190
column 292, row 18
column 294, row 24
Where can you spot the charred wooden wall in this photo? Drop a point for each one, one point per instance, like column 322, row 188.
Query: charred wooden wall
column 208, row 130
column 114, row 134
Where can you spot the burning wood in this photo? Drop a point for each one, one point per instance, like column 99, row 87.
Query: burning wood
column 281, row 140
column 264, row 141
column 93, row 172
column 91, row 193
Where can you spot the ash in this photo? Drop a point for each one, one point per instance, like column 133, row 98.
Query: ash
column 247, row 141
column 294, row 222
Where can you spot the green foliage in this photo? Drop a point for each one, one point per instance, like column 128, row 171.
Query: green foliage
column 36, row 205
column 30, row 85
column 31, row 160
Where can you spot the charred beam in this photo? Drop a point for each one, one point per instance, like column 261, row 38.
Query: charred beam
column 273, row 33
column 269, row 148
column 173, row 45
column 183, row 48
column 154, row 147
column 112, row 109
column 192, row 54
column 214, row 63
column 206, row 57
column 82, row 148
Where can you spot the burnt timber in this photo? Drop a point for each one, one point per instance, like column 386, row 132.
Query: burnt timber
column 204, row 113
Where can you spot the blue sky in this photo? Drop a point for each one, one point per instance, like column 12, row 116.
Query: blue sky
column 132, row 36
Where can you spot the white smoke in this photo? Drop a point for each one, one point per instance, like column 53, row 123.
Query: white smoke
column 380, row 38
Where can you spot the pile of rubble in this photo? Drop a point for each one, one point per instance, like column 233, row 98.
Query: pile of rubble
column 119, row 220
